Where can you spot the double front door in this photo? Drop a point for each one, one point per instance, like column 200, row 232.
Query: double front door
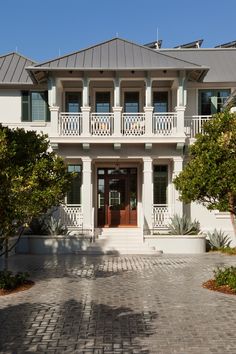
column 117, row 197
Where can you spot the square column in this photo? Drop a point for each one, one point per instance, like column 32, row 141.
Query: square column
column 148, row 121
column 117, row 121
column 147, row 197
column 177, row 168
column 87, row 192
column 180, row 120
column 85, row 120
column 54, row 113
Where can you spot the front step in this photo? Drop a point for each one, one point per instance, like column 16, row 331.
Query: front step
column 120, row 241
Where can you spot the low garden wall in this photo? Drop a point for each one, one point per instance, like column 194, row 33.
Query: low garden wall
column 52, row 244
column 177, row 243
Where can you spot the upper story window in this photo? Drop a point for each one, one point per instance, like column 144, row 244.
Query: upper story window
column 211, row 101
column 73, row 102
column 35, row 106
column 160, row 101
column 131, row 102
column 74, row 194
column 102, row 103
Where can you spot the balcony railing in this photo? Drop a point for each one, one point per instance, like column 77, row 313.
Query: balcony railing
column 133, row 124
column 160, row 216
column 164, row 124
column 71, row 215
column 101, row 124
column 70, row 124
column 194, row 125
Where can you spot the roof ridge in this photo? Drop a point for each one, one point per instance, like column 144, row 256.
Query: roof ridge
column 20, row 55
column 110, row 40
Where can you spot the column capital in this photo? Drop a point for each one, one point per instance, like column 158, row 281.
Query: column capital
column 54, row 108
column 148, row 109
column 85, row 109
column 180, row 109
column 117, row 109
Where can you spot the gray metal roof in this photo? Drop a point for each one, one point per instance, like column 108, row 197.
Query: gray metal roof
column 222, row 62
column 117, row 54
column 12, row 69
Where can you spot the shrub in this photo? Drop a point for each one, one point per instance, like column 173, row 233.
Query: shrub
column 218, row 240
column 226, row 276
column 183, row 226
column 54, row 226
column 8, row 281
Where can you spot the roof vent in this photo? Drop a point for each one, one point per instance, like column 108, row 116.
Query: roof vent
column 195, row 44
column 227, row 45
column 154, row 45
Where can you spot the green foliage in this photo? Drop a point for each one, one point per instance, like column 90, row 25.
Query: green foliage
column 183, row 226
column 209, row 177
column 8, row 281
column 226, row 276
column 32, row 178
column 218, row 240
column 228, row 250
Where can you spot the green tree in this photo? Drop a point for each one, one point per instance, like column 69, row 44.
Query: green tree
column 32, row 179
column 209, row 177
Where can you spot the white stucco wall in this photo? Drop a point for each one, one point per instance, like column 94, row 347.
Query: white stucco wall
column 10, row 106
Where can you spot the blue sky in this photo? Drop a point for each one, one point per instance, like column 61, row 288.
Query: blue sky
column 43, row 29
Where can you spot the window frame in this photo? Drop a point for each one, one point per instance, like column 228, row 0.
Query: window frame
column 81, row 182
column 28, row 103
column 167, row 182
column 214, row 101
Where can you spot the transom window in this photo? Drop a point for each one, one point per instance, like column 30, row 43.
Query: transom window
column 74, row 194
column 211, row 101
column 35, row 106
column 160, row 184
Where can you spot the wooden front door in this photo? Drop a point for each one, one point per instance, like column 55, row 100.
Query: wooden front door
column 117, row 197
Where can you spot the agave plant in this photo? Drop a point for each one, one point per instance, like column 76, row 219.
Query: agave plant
column 218, row 239
column 54, row 226
column 183, row 226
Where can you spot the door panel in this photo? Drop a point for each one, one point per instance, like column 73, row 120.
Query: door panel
column 117, row 197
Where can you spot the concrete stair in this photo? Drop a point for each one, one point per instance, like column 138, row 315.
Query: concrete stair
column 120, row 241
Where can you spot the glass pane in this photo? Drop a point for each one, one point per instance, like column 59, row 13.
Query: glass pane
column 73, row 195
column 131, row 102
column 73, row 102
column 133, row 192
column 102, row 102
column 38, row 106
column 101, row 193
column 115, row 171
column 160, row 101
column 160, row 184
column 116, row 194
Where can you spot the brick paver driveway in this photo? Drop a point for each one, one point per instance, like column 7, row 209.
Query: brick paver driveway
column 126, row 304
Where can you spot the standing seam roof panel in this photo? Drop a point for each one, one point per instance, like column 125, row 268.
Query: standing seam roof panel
column 105, row 55
column 97, row 57
column 12, row 68
column 5, row 67
column 113, row 55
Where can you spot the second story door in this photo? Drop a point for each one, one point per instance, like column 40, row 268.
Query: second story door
column 73, row 102
column 131, row 102
column 160, row 101
column 103, row 102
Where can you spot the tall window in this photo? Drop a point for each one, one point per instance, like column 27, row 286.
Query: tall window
column 102, row 104
column 74, row 194
column 73, row 102
column 211, row 101
column 131, row 102
column 35, row 106
column 160, row 101
column 160, row 184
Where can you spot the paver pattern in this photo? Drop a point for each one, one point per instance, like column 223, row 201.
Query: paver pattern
column 118, row 304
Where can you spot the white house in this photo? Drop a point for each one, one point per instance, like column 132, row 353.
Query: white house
column 122, row 116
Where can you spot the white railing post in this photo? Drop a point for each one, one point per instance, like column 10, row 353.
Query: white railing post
column 54, row 115
column 148, row 121
column 180, row 120
column 85, row 120
column 117, row 120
